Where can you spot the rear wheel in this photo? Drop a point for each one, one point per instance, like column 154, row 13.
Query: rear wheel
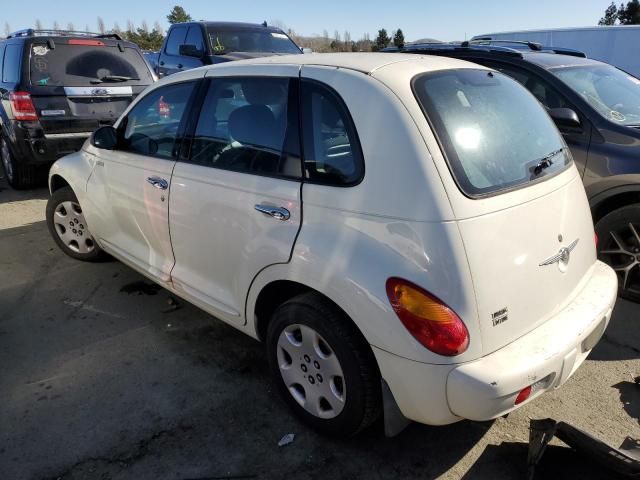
column 619, row 246
column 69, row 229
column 19, row 176
column 323, row 367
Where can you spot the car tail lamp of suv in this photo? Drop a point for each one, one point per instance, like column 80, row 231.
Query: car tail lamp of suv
column 428, row 319
column 22, row 106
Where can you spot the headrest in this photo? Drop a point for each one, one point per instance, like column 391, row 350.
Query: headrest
column 254, row 125
column 265, row 91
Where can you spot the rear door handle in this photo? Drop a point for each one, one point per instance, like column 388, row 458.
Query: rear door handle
column 159, row 183
column 279, row 213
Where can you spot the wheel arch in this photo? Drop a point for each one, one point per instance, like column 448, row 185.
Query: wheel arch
column 611, row 199
column 56, row 182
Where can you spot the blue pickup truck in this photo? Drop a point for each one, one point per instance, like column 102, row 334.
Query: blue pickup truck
column 194, row 44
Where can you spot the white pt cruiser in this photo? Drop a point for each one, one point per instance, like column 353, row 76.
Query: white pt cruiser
column 404, row 234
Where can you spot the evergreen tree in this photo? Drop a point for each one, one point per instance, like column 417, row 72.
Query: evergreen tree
column 610, row 15
column 398, row 38
column 178, row 15
column 382, row 40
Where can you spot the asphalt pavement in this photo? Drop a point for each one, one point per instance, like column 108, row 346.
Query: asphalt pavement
column 105, row 376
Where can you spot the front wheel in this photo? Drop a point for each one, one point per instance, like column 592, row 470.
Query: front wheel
column 619, row 246
column 69, row 228
column 323, row 367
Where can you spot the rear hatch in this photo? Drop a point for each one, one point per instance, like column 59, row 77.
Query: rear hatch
column 518, row 201
column 81, row 84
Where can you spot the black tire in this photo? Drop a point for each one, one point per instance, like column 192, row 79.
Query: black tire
column 60, row 196
column 622, row 225
column 362, row 401
column 19, row 175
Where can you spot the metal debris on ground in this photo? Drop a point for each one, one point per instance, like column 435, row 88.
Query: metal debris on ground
column 624, row 461
column 287, row 439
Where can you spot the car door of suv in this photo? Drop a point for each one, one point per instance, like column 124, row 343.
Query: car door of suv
column 235, row 200
column 578, row 138
column 129, row 186
column 170, row 60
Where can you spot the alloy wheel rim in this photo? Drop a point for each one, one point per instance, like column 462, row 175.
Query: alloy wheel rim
column 71, row 227
column 621, row 250
column 311, row 371
column 6, row 159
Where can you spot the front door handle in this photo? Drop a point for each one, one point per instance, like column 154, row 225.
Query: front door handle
column 159, row 183
column 279, row 213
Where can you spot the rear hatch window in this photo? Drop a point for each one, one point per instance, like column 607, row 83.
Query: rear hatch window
column 80, row 64
column 493, row 132
column 229, row 40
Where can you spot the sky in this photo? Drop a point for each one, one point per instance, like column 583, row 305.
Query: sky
column 443, row 20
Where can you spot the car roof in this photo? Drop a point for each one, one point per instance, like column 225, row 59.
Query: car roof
column 541, row 56
column 553, row 60
column 235, row 25
column 364, row 62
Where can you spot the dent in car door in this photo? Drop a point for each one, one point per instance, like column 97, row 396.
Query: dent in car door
column 129, row 187
column 235, row 204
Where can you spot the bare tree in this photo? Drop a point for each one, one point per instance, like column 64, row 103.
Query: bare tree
column 71, row 26
column 278, row 24
column 130, row 26
column 116, row 28
column 145, row 26
column 7, row 29
column 38, row 24
column 158, row 28
column 56, row 25
column 101, row 28
column 86, row 28
column 347, row 41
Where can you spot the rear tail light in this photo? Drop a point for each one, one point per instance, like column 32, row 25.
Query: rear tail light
column 22, row 106
column 427, row 318
column 523, row 395
column 596, row 239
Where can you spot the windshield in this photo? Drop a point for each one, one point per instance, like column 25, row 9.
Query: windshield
column 86, row 65
column 494, row 133
column 225, row 40
column 612, row 92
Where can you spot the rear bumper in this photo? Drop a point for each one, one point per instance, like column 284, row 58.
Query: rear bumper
column 32, row 146
column 544, row 358
column 486, row 388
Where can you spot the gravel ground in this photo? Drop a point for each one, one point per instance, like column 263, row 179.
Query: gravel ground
column 101, row 378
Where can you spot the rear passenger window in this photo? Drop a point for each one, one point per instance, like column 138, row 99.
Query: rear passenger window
column 332, row 152
column 152, row 125
column 176, row 38
column 246, row 125
column 12, row 64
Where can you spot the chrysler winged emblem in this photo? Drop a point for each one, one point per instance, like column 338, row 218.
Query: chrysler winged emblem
column 562, row 258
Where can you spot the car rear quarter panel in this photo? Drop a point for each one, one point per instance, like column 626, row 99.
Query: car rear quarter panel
column 396, row 222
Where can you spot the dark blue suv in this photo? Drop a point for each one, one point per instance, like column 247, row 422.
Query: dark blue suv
column 56, row 88
column 597, row 109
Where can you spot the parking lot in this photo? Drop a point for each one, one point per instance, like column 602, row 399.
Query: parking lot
column 104, row 376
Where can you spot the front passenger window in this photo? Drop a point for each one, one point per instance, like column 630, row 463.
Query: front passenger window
column 151, row 127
